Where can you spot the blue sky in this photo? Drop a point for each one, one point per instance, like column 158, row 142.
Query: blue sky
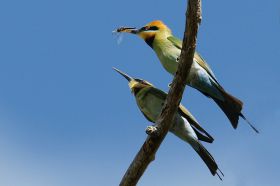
column 67, row 119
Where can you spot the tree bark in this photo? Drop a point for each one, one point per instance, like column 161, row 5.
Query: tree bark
column 148, row 150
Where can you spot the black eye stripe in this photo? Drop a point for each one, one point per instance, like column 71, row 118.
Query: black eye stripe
column 146, row 28
column 141, row 81
column 153, row 28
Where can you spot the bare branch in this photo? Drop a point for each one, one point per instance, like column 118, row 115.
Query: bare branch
column 147, row 152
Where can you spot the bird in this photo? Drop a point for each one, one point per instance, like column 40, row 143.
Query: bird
column 150, row 101
column 168, row 49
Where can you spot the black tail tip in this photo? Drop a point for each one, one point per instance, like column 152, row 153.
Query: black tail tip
column 249, row 123
column 220, row 176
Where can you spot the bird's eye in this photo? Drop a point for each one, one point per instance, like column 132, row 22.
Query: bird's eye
column 149, row 28
column 141, row 81
column 138, row 80
column 153, row 28
column 145, row 82
column 145, row 28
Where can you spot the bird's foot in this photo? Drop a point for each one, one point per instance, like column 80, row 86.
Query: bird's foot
column 152, row 131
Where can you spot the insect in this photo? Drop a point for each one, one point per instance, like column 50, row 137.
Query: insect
column 123, row 29
column 118, row 32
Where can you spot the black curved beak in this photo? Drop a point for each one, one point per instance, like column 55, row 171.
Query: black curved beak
column 124, row 74
column 131, row 30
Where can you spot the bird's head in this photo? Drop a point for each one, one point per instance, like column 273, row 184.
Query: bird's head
column 152, row 30
column 134, row 84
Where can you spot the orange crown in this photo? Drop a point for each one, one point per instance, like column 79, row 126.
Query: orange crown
column 158, row 24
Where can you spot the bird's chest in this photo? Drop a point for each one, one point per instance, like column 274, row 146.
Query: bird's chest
column 150, row 105
column 168, row 55
column 197, row 74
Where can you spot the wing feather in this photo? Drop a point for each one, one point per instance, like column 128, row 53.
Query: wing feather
column 198, row 58
column 200, row 132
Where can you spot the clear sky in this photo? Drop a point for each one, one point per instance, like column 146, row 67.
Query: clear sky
column 67, row 119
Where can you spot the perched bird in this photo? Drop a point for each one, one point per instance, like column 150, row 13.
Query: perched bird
column 150, row 101
column 168, row 49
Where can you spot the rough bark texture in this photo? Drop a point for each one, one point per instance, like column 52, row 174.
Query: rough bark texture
column 147, row 152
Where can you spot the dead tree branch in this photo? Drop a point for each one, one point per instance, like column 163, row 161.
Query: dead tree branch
column 147, row 152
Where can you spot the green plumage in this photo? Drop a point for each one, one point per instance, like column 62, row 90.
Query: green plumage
column 150, row 100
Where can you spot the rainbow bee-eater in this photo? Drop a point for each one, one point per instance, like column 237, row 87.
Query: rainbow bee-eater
column 168, row 49
column 150, row 101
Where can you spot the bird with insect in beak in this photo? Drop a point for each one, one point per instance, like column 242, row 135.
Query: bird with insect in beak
column 150, row 101
column 168, row 49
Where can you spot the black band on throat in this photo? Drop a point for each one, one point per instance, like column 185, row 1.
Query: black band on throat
column 150, row 41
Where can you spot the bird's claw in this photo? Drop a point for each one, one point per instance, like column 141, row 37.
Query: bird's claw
column 152, row 131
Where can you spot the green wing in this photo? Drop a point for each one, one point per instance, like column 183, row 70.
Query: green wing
column 158, row 93
column 200, row 132
column 178, row 43
column 206, row 67
column 175, row 41
column 147, row 117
